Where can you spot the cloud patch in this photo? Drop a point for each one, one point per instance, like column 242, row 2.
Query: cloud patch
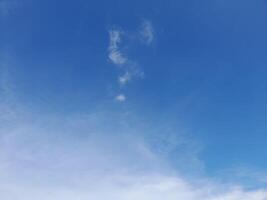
column 118, row 38
column 147, row 32
column 120, row 98
column 125, row 78
column 115, row 54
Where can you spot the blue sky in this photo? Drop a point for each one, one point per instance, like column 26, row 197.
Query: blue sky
column 159, row 95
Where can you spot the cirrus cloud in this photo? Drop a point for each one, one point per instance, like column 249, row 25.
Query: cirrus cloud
column 129, row 69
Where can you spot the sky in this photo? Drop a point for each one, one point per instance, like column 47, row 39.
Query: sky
column 126, row 100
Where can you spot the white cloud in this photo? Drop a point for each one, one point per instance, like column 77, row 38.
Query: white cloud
column 115, row 54
column 132, row 187
column 147, row 32
column 94, row 156
column 129, row 69
column 121, row 98
column 125, row 78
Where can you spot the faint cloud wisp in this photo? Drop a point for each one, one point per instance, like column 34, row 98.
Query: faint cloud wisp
column 114, row 52
column 147, row 32
column 130, row 69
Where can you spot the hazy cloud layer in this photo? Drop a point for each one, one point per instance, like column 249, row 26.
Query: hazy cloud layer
column 68, row 159
column 100, row 155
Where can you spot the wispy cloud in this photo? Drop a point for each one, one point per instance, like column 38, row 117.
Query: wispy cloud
column 147, row 32
column 125, row 78
column 115, row 54
column 129, row 68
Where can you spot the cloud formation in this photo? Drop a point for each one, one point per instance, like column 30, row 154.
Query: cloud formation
column 76, row 157
column 121, row 98
column 147, row 32
column 99, row 155
column 125, row 78
column 130, row 69
column 115, row 54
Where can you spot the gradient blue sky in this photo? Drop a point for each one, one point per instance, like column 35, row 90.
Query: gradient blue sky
column 185, row 77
